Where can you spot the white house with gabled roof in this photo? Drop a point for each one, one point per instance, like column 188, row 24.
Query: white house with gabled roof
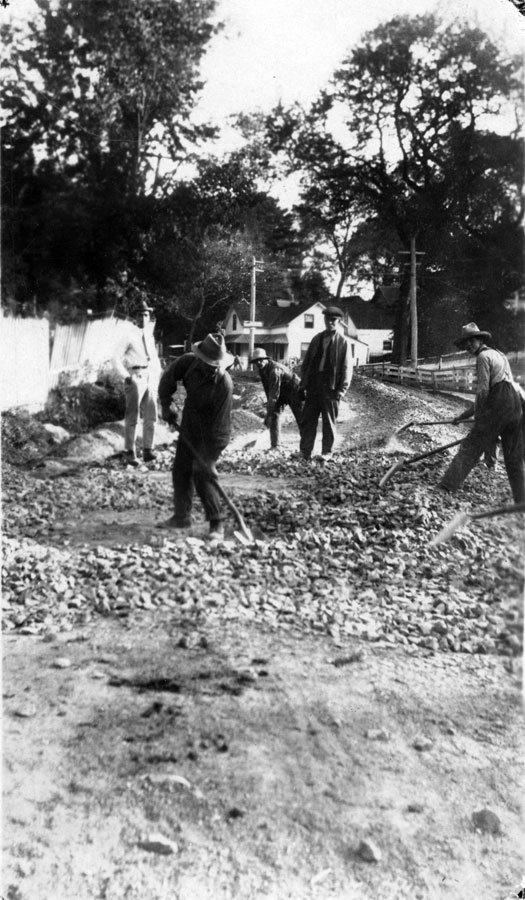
column 286, row 329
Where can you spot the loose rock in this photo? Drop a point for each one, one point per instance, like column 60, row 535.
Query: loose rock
column 157, row 843
column 369, row 851
column 487, row 821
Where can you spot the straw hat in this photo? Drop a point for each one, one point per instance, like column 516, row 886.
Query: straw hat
column 212, row 350
column 471, row 331
column 259, row 353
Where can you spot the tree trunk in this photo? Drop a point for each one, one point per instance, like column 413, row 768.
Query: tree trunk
column 402, row 326
column 197, row 316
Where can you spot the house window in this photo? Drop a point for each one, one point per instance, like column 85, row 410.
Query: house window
column 304, row 348
column 308, row 321
column 387, row 346
column 234, row 322
column 353, row 350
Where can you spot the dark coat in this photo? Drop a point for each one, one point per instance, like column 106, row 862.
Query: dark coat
column 337, row 373
column 279, row 384
column 206, row 417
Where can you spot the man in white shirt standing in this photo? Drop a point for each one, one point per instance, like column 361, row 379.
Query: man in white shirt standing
column 138, row 363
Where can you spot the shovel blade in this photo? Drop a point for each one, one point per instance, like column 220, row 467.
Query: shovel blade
column 246, row 539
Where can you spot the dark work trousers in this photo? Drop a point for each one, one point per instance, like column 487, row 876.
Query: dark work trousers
column 296, row 406
column 500, row 417
column 319, row 402
column 188, row 478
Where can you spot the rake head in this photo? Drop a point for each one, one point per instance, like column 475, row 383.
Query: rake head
column 459, row 520
column 395, row 468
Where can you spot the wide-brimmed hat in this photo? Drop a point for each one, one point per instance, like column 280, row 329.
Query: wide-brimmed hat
column 259, row 353
column 471, row 331
column 333, row 311
column 212, row 350
column 143, row 307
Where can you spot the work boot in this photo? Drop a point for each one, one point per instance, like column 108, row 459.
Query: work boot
column 130, row 458
column 148, row 455
column 216, row 531
column 175, row 522
column 299, row 455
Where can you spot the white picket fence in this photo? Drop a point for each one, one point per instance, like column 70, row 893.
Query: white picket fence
column 27, row 373
column 435, row 374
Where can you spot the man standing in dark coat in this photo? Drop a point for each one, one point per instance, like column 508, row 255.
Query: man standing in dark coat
column 206, row 423
column 281, row 388
column 497, row 413
column 325, row 376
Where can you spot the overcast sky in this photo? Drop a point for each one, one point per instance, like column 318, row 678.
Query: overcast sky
column 273, row 50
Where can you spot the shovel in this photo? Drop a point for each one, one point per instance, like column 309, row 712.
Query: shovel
column 251, row 445
column 412, row 459
column 244, row 535
column 460, row 519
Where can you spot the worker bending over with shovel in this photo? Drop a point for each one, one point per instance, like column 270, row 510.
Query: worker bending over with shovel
column 497, row 413
column 204, row 431
column 281, row 388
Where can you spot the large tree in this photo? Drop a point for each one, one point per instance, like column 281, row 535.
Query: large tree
column 401, row 138
column 96, row 97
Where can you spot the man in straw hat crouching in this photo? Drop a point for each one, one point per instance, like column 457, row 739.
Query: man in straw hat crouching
column 205, row 423
column 281, row 388
column 497, row 413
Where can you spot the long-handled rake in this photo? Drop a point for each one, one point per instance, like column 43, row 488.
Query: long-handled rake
column 401, row 463
column 461, row 518
column 411, row 424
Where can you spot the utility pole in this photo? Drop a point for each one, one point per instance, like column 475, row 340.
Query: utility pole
column 257, row 266
column 413, row 303
column 413, row 299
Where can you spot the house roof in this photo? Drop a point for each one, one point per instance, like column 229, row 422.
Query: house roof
column 367, row 314
column 273, row 316
column 386, row 296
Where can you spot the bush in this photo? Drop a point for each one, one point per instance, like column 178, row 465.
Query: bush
column 24, row 439
column 79, row 407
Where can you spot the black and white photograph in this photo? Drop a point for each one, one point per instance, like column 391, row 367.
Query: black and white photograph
column 262, row 381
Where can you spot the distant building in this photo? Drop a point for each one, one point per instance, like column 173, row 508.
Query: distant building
column 373, row 320
column 286, row 330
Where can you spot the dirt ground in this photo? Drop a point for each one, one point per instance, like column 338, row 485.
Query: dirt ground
column 158, row 753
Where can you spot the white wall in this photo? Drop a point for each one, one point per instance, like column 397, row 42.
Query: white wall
column 374, row 337
column 24, row 363
column 298, row 334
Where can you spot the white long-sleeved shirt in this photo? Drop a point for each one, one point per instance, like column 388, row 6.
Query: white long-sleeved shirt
column 137, row 349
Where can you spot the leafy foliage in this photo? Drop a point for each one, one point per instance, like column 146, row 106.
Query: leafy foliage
column 400, row 142
column 93, row 102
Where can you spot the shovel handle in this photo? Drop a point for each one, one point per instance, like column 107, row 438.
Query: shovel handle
column 413, row 459
column 213, row 478
column 501, row 510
